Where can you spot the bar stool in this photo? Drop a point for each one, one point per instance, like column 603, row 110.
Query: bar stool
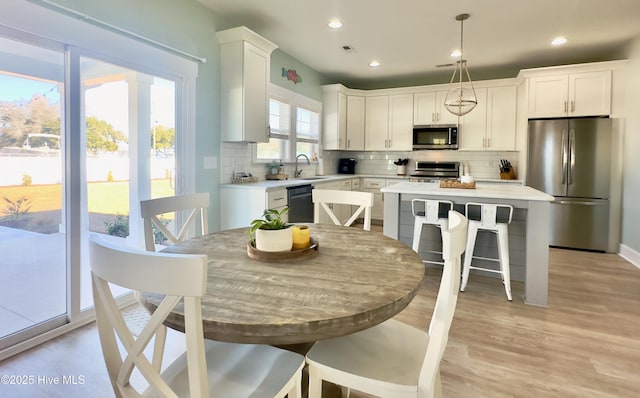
column 429, row 213
column 488, row 222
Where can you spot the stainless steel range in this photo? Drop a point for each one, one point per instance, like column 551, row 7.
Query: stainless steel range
column 435, row 171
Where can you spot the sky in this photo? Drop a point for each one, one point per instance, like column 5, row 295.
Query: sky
column 15, row 89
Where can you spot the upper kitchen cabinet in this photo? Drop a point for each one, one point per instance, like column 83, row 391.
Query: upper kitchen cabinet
column 244, row 69
column 376, row 125
column 491, row 125
column 570, row 94
column 343, row 118
column 334, row 134
column 388, row 122
column 428, row 108
column 355, row 122
column 400, row 122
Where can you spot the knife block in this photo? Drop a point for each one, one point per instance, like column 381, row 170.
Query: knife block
column 509, row 175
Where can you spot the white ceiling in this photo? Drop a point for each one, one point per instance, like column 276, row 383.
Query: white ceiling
column 411, row 37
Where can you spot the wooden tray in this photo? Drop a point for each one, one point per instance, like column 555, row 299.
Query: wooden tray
column 278, row 257
column 277, row 176
column 457, row 184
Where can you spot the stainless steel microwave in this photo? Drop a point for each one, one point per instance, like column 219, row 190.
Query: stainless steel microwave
column 444, row 136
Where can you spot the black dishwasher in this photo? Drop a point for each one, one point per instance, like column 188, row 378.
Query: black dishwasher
column 300, row 203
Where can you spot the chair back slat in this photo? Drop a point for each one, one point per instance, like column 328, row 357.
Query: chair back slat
column 323, row 197
column 453, row 245
column 195, row 204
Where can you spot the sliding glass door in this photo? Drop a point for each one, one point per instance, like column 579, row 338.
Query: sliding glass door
column 33, row 267
column 129, row 135
column 83, row 139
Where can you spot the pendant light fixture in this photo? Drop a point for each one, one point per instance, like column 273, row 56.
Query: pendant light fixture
column 460, row 99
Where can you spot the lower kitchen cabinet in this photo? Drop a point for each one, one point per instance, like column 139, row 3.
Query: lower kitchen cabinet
column 374, row 185
column 240, row 206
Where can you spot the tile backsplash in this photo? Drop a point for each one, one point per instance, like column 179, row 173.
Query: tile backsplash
column 482, row 164
column 237, row 157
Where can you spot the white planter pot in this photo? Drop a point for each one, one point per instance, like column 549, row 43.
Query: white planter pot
column 274, row 240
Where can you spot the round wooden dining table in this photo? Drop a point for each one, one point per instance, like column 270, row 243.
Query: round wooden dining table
column 356, row 280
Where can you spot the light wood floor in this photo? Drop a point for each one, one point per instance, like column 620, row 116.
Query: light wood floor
column 585, row 344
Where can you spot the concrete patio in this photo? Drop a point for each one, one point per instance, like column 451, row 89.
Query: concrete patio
column 33, row 281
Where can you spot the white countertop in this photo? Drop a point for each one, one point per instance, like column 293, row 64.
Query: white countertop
column 482, row 190
column 275, row 184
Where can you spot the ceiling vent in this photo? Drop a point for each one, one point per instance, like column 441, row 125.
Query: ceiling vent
column 348, row 48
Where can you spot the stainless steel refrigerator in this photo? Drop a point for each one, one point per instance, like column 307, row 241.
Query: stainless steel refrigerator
column 570, row 159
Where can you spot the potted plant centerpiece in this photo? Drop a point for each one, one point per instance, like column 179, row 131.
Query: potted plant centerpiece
column 271, row 233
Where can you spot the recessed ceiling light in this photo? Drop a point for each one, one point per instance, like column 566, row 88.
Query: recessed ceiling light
column 374, row 63
column 335, row 24
column 558, row 41
column 455, row 53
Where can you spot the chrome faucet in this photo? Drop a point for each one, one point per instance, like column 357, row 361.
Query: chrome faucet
column 297, row 172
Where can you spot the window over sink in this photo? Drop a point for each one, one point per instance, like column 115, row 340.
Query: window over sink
column 287, row 109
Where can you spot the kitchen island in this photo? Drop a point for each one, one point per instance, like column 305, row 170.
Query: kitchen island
column 528, row 231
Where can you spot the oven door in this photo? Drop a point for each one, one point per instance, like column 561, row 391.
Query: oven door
column 435, row 137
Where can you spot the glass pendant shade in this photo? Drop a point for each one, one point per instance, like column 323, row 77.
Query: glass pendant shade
column 461, row 98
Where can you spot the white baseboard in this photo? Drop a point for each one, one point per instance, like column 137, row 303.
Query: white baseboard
column 630, row 255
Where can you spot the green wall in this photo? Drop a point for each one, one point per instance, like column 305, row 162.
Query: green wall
column 311, row 80
column 189, row 26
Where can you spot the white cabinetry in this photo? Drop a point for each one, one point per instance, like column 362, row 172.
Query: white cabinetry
column 374, row 185
column 334, row 135
column 389, row 122
column 400, row 122
column 492, row 124
column 344, row 119
column 428, row 108
column 244, row 69
column 277, row 200
column 355, row 122
column 376, row 128
column 241, row 205
column 570, row 94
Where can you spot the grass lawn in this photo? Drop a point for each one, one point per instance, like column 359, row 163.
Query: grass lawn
column 44, row 202
column 104, row 197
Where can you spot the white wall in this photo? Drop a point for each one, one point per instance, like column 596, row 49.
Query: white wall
column 631, row 181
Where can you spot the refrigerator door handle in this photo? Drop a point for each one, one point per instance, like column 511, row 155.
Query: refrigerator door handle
column 572, row 154
column 564, row 157
column 576, row 202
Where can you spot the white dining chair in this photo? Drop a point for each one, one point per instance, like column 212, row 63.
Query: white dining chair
column 195, row 204
column 324, row 198
column 207, row 368
column 393, row 359
column 135, row 316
